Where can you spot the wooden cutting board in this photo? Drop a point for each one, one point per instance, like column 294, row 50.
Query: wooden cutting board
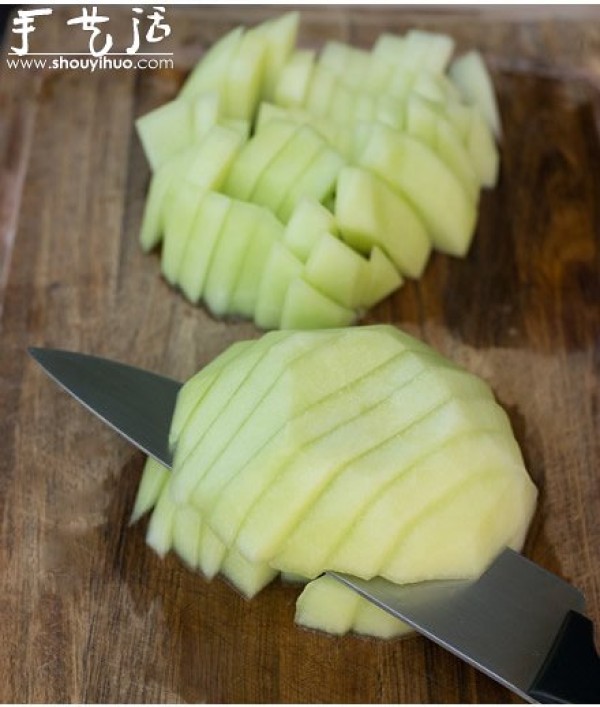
column 87, row 612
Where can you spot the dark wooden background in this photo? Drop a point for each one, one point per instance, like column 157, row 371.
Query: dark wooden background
column 87, row 612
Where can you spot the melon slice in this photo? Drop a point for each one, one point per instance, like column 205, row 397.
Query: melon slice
column 369, row 213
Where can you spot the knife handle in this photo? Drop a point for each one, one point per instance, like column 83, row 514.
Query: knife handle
column 571, row 672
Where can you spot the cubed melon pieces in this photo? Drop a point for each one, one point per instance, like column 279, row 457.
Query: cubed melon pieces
column 354, row 450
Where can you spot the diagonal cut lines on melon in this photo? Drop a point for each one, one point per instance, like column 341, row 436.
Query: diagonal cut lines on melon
column 474, row 453
column 245, row 486
column 308, row 380
column 312, row 468
column 242, row 397
column 331, row 412
column 226, row 383
column 192, row 394
column 351, row 491
column 473, row 536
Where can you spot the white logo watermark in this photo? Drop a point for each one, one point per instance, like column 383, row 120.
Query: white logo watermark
column 153, row 26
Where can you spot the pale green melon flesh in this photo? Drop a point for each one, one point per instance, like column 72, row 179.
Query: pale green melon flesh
column 280, row 35
column 152, row 228
column 256, row 156
column 337, row 271
column 316, row 182
column 243, row 81
column 248, row 577
column 470, row 74
column 353, row 490
column 269, row 523
column 334, row 409
column 282, row 267
column 233, row 395
column 416, row 172
column 191, row 394
column 359, row 450
column 210, row 73
column 381, row 279
column 187, row 533
column 295, row 78
column 238, row 230
column 275, row 182
column 154, row 478
column 308, row 221
column 229, row 379
column 203, row 238
column 306, row 308
column 257, row 430
column 369, row 213
column 166, row 131
column 328, row 605
column 181, row 203
column 246, row 291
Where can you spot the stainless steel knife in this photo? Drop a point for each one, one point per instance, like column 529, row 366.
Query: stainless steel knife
column 518, row 623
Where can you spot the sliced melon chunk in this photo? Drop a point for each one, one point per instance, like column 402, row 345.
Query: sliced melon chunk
column 201, row 243
column 210, row 72
column 152, row 228
column 414, row 171
column 154, row 478
column 295, row 78
column 307, row 308
column 256, row 156
column 382, row 278
column 245, row 294
column 289, row 164
column 280, row 36
column 369, row 213
column 316, row 182
column 470, row 74
column 243, row 80
column 248, row 577
column 308, row 221
column 328, row 605
column 227, row 262
column 337, row 271
column 234, row 394
column 180, row 206
column 165, row 131
column 281, row 269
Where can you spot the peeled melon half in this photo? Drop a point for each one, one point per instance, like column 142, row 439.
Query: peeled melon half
column 357, row 450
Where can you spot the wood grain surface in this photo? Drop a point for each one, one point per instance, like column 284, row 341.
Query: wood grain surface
column 87, row 612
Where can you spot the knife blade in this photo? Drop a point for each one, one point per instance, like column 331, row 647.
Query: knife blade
column 518, row 623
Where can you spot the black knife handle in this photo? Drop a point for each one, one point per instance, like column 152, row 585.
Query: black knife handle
column 571, row 672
